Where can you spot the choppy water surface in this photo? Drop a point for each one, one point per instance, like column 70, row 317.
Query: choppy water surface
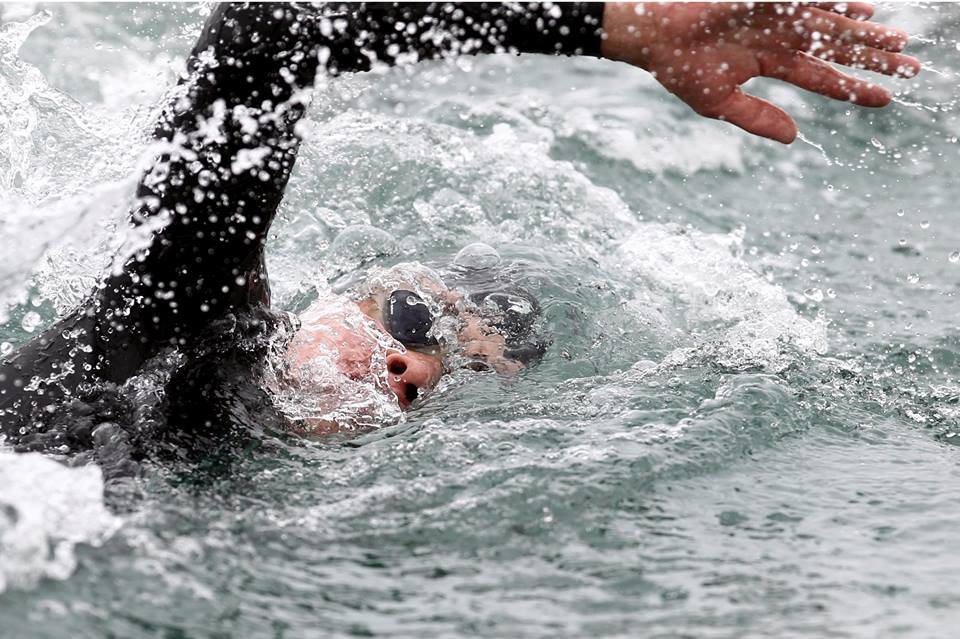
column 744, row 426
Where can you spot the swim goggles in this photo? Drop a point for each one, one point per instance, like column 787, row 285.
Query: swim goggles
column 408, row 319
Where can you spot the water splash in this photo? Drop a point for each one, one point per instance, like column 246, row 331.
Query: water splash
column 819, row 147
column 732, row 314
column 46, row 510
column 917, row 105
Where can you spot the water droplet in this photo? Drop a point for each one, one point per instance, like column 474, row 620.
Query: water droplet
column 954, row 257
column 815, row 250
column 6, row 348
column 831, row 293
column 900, row 212
column 814, row 294
column 913, row 278
column 30, row 321
column 925, row 224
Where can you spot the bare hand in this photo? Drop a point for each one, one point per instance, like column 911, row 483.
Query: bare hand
column 703, row 52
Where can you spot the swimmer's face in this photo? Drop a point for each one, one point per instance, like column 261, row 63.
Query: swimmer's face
column 393, row 340
column 362, row 350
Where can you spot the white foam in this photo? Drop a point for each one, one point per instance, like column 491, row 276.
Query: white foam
column 725, row 306
column 53, row 224
column 706, row 145
column 46, row 509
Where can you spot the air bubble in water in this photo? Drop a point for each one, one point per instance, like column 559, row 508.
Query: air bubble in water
column 925, row 224
column 477, row 256
column 900, row 212
column 814, row 294
column 6, row 348
column 954, row 257
column 30, row 321
column 913, row 278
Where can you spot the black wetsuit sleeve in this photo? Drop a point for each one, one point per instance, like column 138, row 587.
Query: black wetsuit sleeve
column 229, row 139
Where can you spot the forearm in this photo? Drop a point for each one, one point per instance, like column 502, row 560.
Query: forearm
column 230, row 129
column 384, row 33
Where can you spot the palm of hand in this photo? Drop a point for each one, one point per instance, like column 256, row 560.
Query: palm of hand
column 718, row 72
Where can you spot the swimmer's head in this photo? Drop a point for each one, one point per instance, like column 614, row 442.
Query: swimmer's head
column 418, row 323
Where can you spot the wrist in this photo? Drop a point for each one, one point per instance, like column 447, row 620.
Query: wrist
column 627, row 33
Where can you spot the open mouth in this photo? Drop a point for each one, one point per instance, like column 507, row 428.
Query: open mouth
column 410, row 393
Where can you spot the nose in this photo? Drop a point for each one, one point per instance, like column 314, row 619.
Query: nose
column 410, row 374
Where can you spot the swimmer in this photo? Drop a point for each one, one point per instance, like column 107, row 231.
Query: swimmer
column 189, row 310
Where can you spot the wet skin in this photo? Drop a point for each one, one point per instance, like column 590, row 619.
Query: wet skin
column 360, row 346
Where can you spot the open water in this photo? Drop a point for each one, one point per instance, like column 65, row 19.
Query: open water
column 746, row 425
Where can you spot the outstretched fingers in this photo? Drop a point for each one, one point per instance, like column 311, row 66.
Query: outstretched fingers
column 807, row 72
column 752, row 13
column 807, row 28
column 870, row 59
column 856, row 10
column 850, row 31
column 755, row 116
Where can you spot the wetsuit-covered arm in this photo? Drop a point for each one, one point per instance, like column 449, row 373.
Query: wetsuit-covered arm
column 206, row 205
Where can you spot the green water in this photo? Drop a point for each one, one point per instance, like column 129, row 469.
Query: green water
column 743, row 428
